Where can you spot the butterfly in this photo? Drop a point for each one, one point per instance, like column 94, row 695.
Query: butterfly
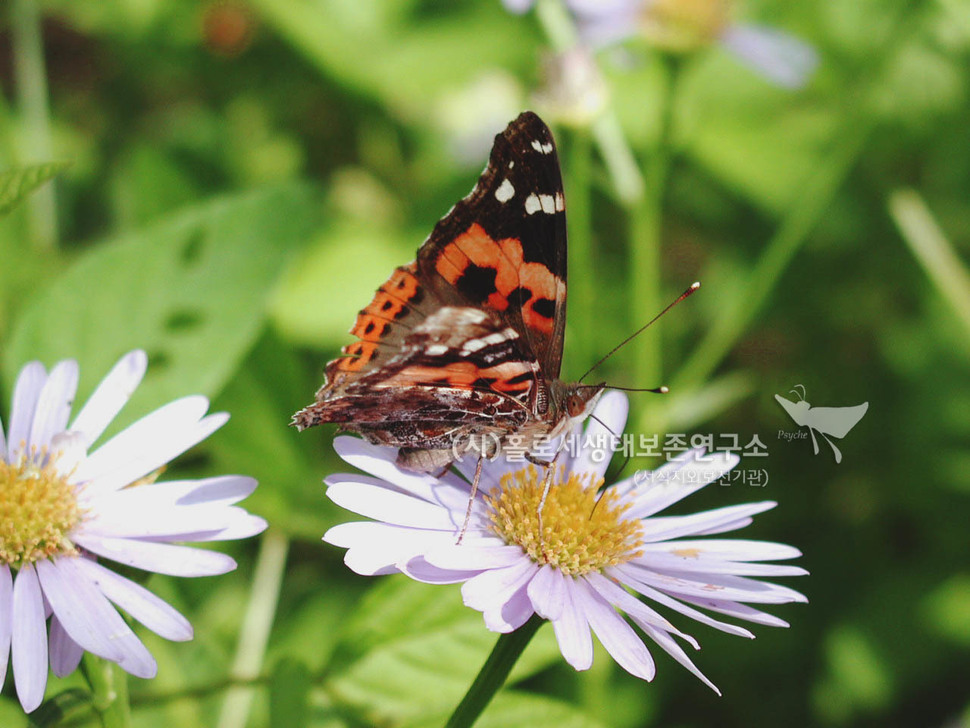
column 460, row 351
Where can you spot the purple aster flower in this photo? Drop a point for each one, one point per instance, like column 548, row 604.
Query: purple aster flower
column 685, row 25
column 64, row 505
column 597, row 550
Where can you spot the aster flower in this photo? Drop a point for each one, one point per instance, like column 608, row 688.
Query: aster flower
column 598, row 549
column 64, row 505
column 686, row 25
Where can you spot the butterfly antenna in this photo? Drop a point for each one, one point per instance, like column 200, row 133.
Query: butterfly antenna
column 801, row 395
column 599, row 496
column 653, row 390
column 693, row 287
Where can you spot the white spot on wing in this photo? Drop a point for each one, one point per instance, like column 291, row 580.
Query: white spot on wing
column 540, row 147
column 497, row 338
column 505, row 191
column 464, row 315
column 560, row 202
column 532, row 204
column 436, row 350
column 548, row 204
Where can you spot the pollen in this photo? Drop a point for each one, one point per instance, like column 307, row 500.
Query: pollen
column 38, row 510
column 582, row 530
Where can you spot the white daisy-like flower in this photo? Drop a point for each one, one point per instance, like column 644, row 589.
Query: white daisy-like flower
column 63, row 507
column 597, row 551
column 685, row 25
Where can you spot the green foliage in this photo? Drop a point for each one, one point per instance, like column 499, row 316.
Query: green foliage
column 289, row 691
column 16, row 184
column 67, row 704
column 244, row 175
column 198, row 280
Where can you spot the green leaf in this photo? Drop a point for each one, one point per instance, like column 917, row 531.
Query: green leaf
column 289, row 689
column 947, row 609
column 16, row 184
column 858, row 680
column 517, row 708
column 11, row 714
column 421, row 651
column 313, row 306
column 64, row 706
column 758, row 140
column 262, row 397
column 191, row 291
column 513, row 708
column 412, row 58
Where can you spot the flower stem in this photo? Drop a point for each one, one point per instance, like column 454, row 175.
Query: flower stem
column 492, row 676
column 254, row 633
column 31, row 87
column 621, row 166
column 581, row 291
column 557, row 25
column 933, row 250
column 646, row 219
column 109, row 689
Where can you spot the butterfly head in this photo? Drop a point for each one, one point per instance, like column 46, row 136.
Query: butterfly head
column 576, row 401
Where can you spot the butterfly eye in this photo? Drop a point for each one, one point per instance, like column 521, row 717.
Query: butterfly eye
column 575, row 405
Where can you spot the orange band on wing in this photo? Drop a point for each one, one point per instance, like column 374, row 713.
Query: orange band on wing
column 476, row 248
column 369, row 327
column 358, row 355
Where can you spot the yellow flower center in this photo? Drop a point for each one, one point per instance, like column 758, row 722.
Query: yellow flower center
column 581, row 529
column 38, row 510
column 684, row 25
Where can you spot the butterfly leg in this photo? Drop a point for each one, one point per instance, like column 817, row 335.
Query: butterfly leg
column 471, row 498
column 546, row 485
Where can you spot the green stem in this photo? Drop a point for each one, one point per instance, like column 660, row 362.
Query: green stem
column 933, row 250
column 109, row 689
column 581, row 287
column 618, row 158
column 256, row 626
column 646, row 237
column 32, row 99
column 557, row 24
column 492, row 676
column 560, row 29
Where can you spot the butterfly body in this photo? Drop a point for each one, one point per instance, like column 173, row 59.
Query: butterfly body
column 460, row 351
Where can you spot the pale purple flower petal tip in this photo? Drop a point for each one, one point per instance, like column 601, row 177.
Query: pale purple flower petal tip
column 121, row 514
column 669, row 564
column 775, row 55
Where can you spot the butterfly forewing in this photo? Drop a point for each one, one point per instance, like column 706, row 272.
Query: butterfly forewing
column 503, row 247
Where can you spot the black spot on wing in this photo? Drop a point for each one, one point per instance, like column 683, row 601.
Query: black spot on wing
column 545, row 307
column 477, row 283
column 538, row 246
column 518, row 297
column 520, row 378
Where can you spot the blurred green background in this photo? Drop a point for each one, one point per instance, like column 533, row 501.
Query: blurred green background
column 242, row 176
